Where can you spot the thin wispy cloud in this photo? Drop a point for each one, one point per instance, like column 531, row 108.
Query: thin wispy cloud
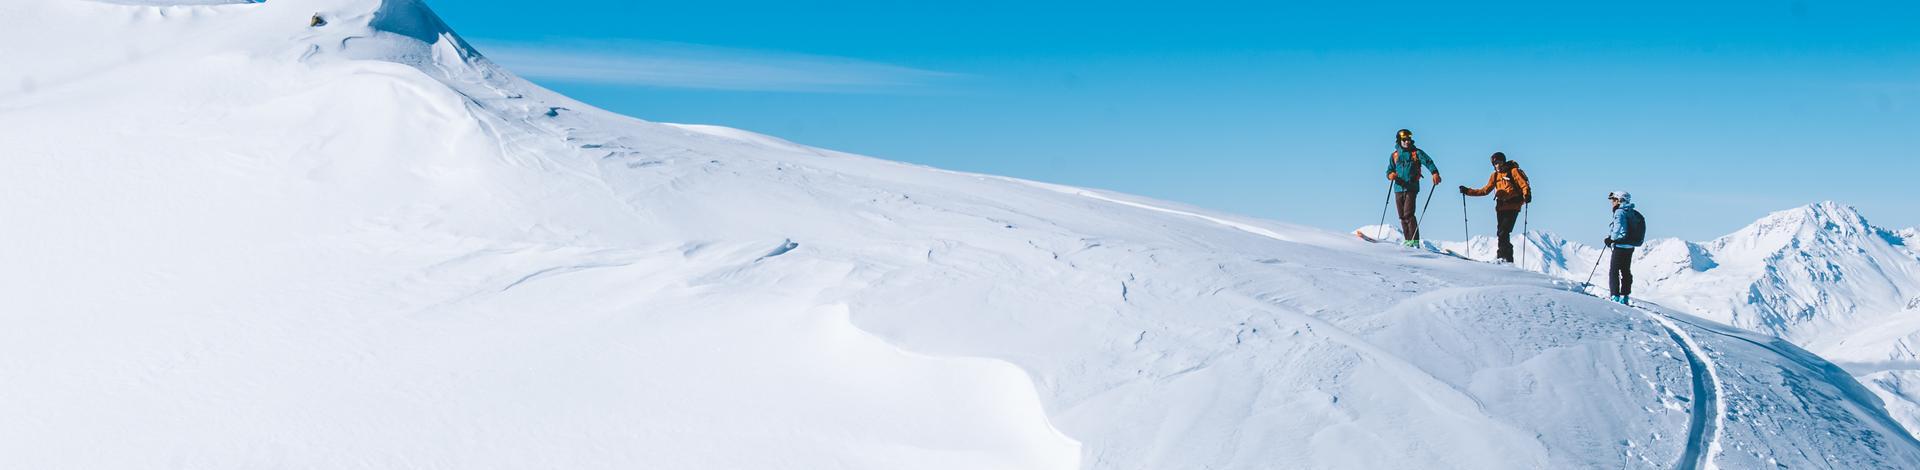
column 677, row 65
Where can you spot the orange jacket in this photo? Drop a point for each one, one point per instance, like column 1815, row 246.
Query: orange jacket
column 1509, row 188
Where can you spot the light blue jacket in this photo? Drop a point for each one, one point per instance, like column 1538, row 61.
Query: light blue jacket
column 1618, row 229
column 1408, row 167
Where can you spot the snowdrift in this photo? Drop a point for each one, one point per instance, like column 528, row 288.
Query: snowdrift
column 236, row 240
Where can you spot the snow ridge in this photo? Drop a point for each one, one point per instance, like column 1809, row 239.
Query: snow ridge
column 360, row 244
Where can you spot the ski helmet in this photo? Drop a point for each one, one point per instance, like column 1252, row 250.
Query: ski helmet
column 1621, row 196
column 1404, row 135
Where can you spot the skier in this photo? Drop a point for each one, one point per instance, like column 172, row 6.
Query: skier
column 1629, row 230
column 1404, row 170
column 1511, row 193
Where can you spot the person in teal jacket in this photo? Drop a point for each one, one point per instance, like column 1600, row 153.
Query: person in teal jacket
column 1403, row 169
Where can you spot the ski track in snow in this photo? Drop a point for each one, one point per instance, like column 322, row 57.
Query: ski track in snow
column 1702, row 440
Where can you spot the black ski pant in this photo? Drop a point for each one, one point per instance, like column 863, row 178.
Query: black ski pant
column 1407, row 202
column 1620, row 272
column 1507, row 219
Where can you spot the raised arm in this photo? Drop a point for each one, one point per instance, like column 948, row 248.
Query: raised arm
column 1484, row 190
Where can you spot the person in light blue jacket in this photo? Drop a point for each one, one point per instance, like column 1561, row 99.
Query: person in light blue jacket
column 1628, row 231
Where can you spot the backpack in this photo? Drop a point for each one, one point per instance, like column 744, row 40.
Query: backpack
column 1636, row 229
column 1510, row 172
column 1416, row 169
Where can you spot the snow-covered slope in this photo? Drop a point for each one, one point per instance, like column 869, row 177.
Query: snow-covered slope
column 238, row 241
column 1821, row 275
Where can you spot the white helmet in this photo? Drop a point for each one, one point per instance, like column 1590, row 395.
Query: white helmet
column 1621, row 196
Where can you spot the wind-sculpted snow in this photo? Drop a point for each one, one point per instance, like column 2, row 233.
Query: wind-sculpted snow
column 260, row 243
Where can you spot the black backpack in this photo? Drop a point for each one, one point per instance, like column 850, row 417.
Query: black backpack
column 1636, row 229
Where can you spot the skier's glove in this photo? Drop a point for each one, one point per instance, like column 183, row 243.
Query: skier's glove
column 1609, row 243
column 1463, row 190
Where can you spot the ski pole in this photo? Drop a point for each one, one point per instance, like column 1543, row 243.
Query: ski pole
column 1596, row 266
column 1422, row 220
column 1526, row 215
column 1382, row 231
column 1466, row 225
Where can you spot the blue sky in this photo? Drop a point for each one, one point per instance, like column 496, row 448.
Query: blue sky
column 1711, row 113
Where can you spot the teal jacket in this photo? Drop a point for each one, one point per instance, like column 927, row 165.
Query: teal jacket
column 1408, row 167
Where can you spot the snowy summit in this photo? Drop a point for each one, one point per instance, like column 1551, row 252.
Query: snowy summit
column 330, row 234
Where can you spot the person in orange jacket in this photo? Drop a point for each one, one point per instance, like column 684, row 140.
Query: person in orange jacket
column 1511, row 193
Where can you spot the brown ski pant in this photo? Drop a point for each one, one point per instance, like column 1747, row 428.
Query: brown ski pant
column 1408, row 202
